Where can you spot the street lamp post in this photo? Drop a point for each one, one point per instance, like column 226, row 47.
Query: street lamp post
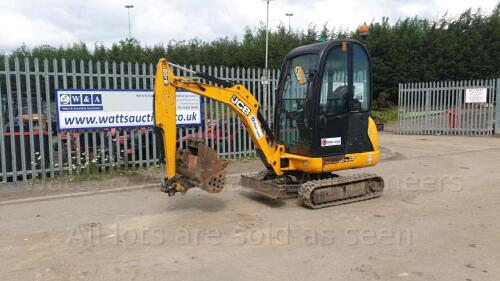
column 128, row 7
column 289, row 15
column 266, row 80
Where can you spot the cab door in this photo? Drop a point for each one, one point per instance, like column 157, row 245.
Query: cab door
column 335, row 95
column 358, row 140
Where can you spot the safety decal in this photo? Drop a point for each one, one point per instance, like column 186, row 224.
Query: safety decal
column 256, row 126
column 331, row 141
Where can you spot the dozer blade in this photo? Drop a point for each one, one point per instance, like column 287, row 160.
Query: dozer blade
column 198, row 165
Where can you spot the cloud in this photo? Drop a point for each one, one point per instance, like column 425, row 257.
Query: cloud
column 61, row 22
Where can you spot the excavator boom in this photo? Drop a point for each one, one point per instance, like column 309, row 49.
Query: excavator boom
column 199, row 159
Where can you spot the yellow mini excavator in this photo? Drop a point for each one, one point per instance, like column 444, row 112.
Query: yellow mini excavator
column 321, row 124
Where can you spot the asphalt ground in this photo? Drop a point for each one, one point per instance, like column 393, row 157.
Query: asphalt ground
column 437, row 220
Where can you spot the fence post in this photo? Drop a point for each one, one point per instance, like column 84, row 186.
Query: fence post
column 497, row 109
column 399, row 108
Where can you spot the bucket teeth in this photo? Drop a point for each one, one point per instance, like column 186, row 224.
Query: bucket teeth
column 199, row 165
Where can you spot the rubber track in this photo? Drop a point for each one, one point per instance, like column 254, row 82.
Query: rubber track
column 307, row 189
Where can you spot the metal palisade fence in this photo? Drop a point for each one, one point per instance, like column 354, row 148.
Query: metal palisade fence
column 449, row 107
column 31, row 146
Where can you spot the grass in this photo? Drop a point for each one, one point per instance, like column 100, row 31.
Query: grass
column 96, row 175
column 389, row 114
column 251, row 157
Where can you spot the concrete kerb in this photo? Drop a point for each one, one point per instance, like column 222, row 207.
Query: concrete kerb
column 78, row 194
column 87, row 193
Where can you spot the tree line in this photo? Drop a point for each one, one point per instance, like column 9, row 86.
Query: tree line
column 409, row 50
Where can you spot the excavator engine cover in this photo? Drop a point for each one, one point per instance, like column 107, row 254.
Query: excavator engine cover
column 199, row 165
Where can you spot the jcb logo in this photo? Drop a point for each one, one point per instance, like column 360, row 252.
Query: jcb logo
column 245, row 109
column 165, row 76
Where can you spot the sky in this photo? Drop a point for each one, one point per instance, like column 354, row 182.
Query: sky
column 62, row 22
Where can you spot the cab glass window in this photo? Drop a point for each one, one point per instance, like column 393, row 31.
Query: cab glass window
column 334, row 97
column 361, row 78
column 293, row 125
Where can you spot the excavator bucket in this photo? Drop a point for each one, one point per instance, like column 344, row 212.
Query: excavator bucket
column 199, row 165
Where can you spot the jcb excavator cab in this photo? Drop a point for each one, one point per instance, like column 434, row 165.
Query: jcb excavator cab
column 323, row 100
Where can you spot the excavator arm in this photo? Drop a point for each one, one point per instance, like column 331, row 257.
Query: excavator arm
column 198, row 165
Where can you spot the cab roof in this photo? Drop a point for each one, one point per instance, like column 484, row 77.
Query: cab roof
column 317, row 48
